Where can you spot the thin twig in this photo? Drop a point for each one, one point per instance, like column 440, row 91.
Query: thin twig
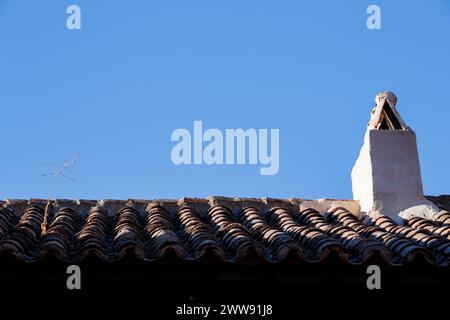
column 58, row 172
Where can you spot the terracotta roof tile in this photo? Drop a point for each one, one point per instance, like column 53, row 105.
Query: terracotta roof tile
column 441, row 201
column 225, row 226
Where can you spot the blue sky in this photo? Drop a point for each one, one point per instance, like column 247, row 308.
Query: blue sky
column 116, row 89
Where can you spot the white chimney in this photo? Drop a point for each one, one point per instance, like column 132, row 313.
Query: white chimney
column 386, row 176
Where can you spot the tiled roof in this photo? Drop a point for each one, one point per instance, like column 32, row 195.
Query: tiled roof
column 226, row 227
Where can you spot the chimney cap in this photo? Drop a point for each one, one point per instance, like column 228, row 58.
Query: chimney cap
column 386, row 95
column 384, row 115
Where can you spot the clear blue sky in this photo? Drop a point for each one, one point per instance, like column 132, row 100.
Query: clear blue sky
column 114, row 91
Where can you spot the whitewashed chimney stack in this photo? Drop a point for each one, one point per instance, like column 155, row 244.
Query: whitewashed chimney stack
column 386, row 177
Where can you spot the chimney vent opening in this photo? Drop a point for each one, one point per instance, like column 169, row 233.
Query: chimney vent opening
column 384, row 115
column 390, row 120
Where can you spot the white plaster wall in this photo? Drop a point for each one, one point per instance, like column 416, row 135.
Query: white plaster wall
column 386, row 177
column 397, row 182
column 362, row 180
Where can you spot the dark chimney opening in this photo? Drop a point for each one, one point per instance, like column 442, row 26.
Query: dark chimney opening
column 389, row 119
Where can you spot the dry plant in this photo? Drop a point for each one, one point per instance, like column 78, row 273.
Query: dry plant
column 59, row 171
